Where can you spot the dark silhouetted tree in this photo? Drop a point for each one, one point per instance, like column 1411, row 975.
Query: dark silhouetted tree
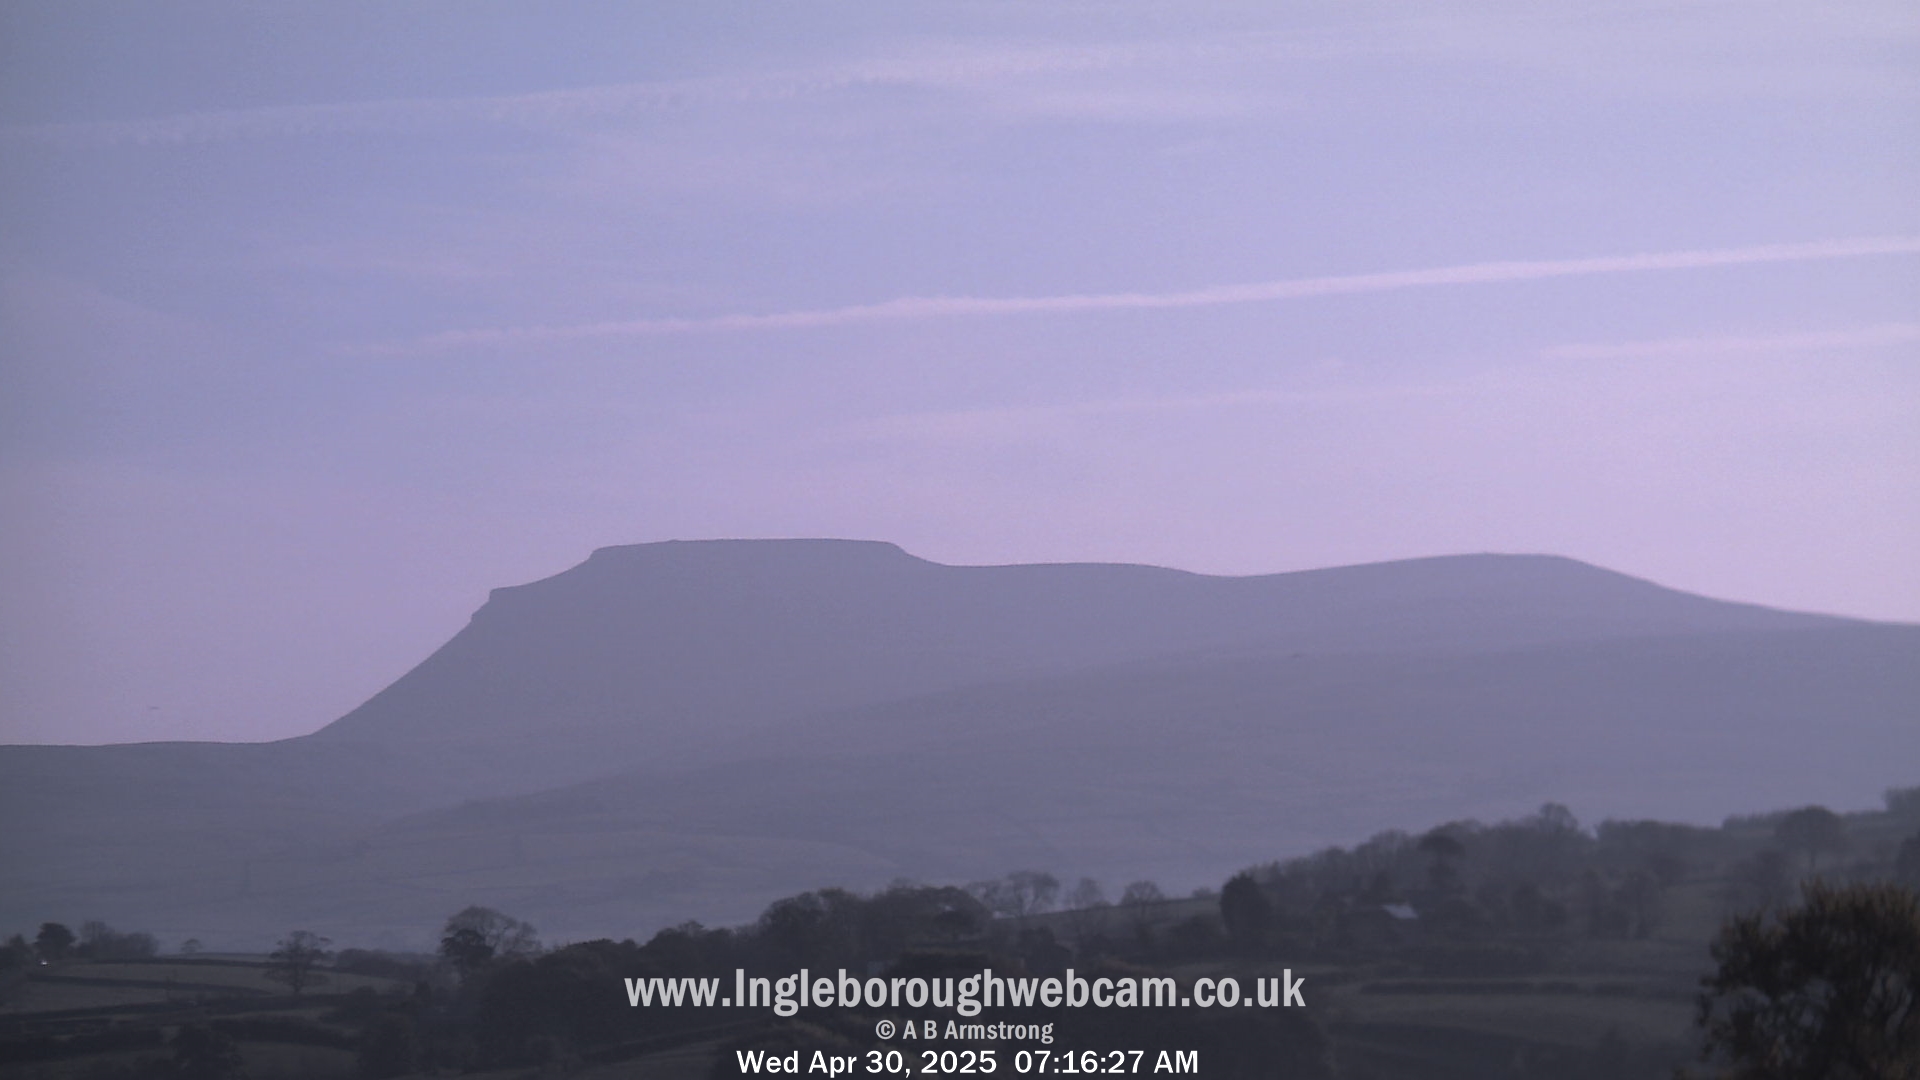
column 466, row 949
column 102, row 942
column 1813, row 830
column 297, row 959
column 1443, row 848
column 1554, row 818
column 907, row 914
column 16, row 953
column 503, row 934
column 476, row 936
column 1245, row 912
column 1034, row 890
column 1826, row 990
column 546, row 1008
column 1138, row 900
column 53, row 941
column 1086, row 894
column 1021, row 893
column 812, row 929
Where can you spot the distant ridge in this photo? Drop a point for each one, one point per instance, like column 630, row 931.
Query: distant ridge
column 692, row 729
column 743, row 632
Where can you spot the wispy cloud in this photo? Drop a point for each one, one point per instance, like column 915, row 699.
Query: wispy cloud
column 1868, row 337
column 1015, row 422
column 372, row 117
column 1004, row 72
column 934, row 307
column 935, row 67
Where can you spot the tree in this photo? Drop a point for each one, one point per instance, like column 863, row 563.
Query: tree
column 1443, row 848
column 1138, row 900
column 1554, row 818
column 1086, row 904
column 53, row 941
column 1085, row 894
column 1245, row 911
column 488, row 934
column 1827, row 990
column 98, row 941
column 1812, row 829
column 544, row 1009
column 812, row 929
column 294, row 961
column 907, row 914
column 92, row 933
column 1019, row 894
column 466, row 949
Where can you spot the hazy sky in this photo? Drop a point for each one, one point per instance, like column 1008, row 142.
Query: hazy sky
column 317, row 320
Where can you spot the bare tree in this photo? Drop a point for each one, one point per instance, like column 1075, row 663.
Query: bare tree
column 476, row 936
column 294, row 961
column 1019, row 894
column 1035, row 889
column 502, row 933
column 1138, row 901
column 1086, row 893
column 1086, row 906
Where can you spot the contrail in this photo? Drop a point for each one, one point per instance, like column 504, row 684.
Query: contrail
column 931, row 307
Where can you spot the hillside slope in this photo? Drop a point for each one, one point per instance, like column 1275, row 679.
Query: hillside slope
column 687, row 729
column 661, row 646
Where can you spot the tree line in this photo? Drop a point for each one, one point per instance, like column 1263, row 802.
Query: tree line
column 1812, row 973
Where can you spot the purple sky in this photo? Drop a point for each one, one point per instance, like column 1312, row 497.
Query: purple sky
column 319, row 320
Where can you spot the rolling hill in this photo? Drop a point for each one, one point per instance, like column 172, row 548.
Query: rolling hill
column 689, row 730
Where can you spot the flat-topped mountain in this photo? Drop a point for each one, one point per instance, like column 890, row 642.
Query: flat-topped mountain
column 667, row 645
column 693, row 729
